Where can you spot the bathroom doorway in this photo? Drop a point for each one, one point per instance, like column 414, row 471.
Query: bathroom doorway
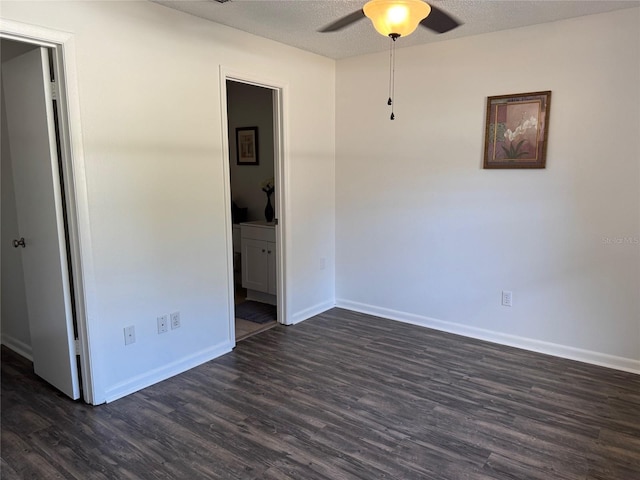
column 253, row 140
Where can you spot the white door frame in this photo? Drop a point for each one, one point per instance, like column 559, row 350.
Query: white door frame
column 75, row 185
column 281, row 179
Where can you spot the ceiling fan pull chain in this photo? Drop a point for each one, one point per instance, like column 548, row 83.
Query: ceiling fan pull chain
column 389, row 102
column 392, row 74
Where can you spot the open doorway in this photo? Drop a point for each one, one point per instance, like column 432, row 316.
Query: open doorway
column 252, row 174
column 42, row 312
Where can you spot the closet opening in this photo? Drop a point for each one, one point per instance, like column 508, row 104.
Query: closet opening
column 43, row 317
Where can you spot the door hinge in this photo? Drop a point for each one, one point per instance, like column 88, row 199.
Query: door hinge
column 76, row 346
column 54, row 91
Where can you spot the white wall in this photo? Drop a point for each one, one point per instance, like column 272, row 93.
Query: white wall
column 251, row 106
column 149, row 97
column 425, row 235
column 15, row 320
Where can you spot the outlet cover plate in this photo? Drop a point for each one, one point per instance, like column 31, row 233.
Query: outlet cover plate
column 163, row 324
column 175, row 320
column 507, row 298
column 129, row 335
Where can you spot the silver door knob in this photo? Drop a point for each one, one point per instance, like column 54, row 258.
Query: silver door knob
column 19, row 243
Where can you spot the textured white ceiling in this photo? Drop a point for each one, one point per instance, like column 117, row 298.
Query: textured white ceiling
column 296, row 22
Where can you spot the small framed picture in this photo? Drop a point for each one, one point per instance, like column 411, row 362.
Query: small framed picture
column 516, row 130
column 247, row 146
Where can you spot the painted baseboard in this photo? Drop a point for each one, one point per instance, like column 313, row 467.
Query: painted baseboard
column 150, row 378
column 154, row 376
column 311, row 312
column 563, row 351
column 17, row 346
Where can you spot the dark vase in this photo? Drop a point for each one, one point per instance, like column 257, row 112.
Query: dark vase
column 268, row 210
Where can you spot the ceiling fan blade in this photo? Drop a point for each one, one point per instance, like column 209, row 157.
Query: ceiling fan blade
column 343, row 22
column 439, row 21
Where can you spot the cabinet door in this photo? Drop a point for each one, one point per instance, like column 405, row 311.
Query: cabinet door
column 255, row 268
column 271, row 267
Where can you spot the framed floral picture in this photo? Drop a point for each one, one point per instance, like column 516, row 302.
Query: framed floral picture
column 516, row 130
column 247, row 146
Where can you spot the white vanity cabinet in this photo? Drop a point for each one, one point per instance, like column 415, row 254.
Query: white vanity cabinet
column 258, row 251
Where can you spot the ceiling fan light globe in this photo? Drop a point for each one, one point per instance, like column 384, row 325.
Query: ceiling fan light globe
column 397, row 17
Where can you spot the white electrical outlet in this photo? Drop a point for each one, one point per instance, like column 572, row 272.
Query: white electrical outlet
column 129, row 335
column 163, row 324
column 507, row 298
column 175, row 320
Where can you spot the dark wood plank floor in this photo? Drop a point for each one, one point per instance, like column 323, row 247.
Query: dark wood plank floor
column 340, row 396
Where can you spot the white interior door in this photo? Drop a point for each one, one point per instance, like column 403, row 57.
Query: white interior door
column 30, row 122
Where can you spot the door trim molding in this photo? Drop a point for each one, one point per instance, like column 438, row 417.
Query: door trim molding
column 281, row 162
column 63, row 45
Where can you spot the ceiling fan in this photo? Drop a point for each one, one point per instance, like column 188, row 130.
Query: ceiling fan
column 396, row 18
